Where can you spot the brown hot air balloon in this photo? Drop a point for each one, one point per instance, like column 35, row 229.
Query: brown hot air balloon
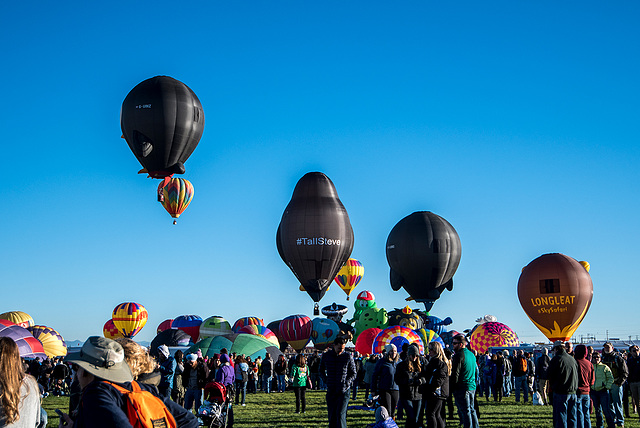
column 555, row 292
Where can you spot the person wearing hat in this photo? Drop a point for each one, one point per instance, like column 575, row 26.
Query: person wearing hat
column 383, row 381
column 338, row 371
column 194, row 378
column 102, row 405
column 167, row 369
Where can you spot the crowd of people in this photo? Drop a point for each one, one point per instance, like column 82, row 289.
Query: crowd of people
column 419, row 388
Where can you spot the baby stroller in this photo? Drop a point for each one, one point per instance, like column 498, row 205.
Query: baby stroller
column 215, row 411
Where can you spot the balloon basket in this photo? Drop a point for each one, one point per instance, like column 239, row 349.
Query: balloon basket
column 316, row 310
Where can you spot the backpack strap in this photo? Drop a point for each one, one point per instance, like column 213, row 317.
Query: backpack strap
column 118, row 387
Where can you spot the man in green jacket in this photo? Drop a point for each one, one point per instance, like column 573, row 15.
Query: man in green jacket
column 463, row 381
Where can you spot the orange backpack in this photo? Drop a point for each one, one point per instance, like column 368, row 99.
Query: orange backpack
column 144, row 409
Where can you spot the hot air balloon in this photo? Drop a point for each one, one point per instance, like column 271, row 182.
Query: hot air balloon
column 18, row 317
column 429, row 336
column 296, row 331
column 162, row 121
column 214, row 326
column 423, row 251
column 315, row 238
column 110, row 331
column 349, row 276
column 491, row 334
column 555, row 292
column 364, row 342
column 262, row 331
column 164, row 325
column 129, row 318
column 396, row 335
column 28, row 346
column 175, row 194
column 323, row 332
column 53, row 343
column 190, row 324
column 241, row 322
column 171, row 337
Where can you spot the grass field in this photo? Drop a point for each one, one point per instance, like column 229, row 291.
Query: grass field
column 277, row 411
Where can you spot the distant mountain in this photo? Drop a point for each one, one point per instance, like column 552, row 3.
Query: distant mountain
column 79, row 343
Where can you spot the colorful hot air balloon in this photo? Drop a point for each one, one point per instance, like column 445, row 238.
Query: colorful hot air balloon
column 190, row 324
column 491, row 334
column 110, row 331
column 28, row 346
column 18, row 317
column 349, row 276
column 555, row 292
column 296, row 331
column 171, row 337
column 423, row 252
column 164, row 325
column 315, row 238
column 323, row 332
column 52, row 342
column 129, row 318
column 429, row 336
column 214, row 326
column 241, row 322
column 364, row 342
column 262, row 331
column 396, row 335
column 175, row 194
column 162, row 121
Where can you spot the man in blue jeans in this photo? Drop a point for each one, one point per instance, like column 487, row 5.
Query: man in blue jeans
column 521, row 375
column 267, row 373
column 463, row 381
column 338, row 371
column 620, row 373
column 563, row 378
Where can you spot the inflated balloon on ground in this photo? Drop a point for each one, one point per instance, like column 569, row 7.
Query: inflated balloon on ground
column 296, row 331
column 52, row 342
column 28, row 346
column 190, row 324
column 18, row 317
column 398, row 336
column 214, row 326
column 491, row 334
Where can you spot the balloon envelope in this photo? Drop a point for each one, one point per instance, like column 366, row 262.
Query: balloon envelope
column 110, row 331
column 177, row 194
column 241, row 322
column 214, row 326
column 349, row 276
column 129, row 318
column 28, row 346
column 162, row 121
column 211, row 346
column 315, row 237
column 555, row 292
column 429, row 336
column 53, row 343
column 396, row 335
column 190, row 324
column 423, row 252
column 491, row 334
column 323, row 332
column 171, row 337
column 364, row 343
column 296, row 331
column 18, row 317
column 262, row 331
column 164, row 325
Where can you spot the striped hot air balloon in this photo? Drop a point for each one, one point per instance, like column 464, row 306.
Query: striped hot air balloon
column 18, row 317
column 241, row 322
column 52, row 342
column 129, row 318
column 296, row 330
column 175, row 194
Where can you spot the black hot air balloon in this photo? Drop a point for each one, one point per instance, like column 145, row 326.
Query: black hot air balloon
column 315, row 238
column 162, row 121
column 423, row 251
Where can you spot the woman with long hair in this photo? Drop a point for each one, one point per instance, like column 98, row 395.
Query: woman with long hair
column 19, row 392
column 241, row 378
column 409, row 380
column 383, row 382
column 300, row 381
column 436, row 388
column 140, row 362
column 177, row 390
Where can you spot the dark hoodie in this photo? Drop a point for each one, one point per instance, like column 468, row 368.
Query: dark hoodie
column 585, row 370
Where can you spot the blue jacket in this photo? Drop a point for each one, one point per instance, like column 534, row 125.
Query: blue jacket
column 384, row 376
column 337, row 371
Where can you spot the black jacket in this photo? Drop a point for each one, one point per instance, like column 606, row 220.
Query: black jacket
column 436, row 375
column 408, row 382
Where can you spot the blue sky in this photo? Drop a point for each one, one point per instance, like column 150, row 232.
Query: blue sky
column 515, row 121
